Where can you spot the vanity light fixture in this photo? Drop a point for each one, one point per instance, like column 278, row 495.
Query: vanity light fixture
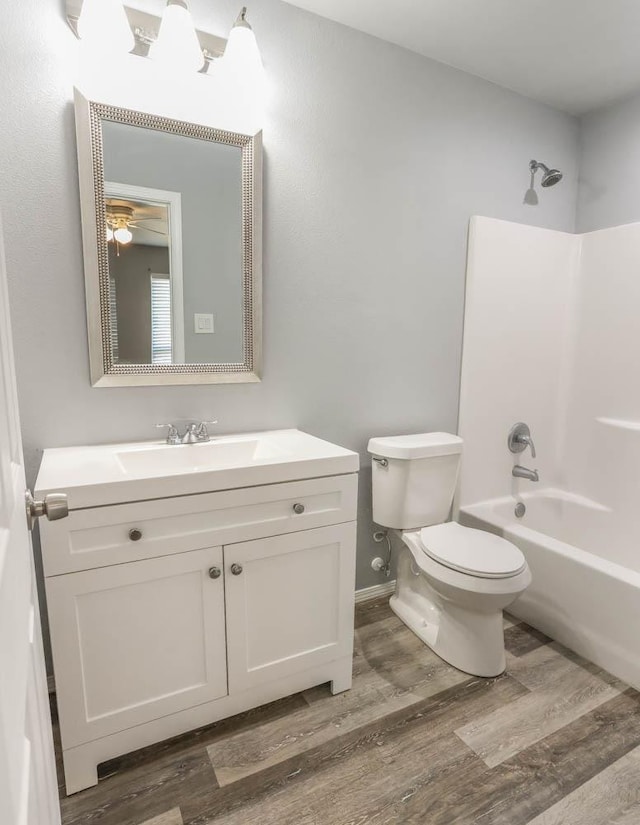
column 110, row 26
column 103, row 24
column 242, row 56
column 177, row 45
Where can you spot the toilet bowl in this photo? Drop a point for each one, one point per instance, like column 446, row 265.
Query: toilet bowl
column 457, row 610
column 453, row 582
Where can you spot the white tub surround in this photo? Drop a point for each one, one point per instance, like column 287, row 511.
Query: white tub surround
column 550, row 325
column 192, row 582
column 517, row 338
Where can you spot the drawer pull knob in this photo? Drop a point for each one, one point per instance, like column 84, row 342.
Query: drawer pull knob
column 236, row 569
column 214, row 572
column 298, row 509
column 135, row 534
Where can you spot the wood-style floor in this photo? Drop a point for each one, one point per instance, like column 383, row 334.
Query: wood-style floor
column 554, row 741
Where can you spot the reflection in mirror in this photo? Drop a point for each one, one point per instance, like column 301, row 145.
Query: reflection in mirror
column 174, row 213
column 144, row 235
column 172, row 238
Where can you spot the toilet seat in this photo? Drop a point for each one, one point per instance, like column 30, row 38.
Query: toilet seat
column 471, row 551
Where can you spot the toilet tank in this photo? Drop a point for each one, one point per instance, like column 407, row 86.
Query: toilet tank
column 414, row 478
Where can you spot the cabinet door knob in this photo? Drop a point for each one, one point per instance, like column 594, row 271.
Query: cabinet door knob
column 214, row 572
column 298, row 509
column 135, row 534
column 236, row 569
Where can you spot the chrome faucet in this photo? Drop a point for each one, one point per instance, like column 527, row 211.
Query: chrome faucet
column 196, row 433
column 520, row 438
column 518, row 441
column 524, row 472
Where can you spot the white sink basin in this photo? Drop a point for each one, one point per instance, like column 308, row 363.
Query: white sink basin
column 119, row 473
column 160, row 459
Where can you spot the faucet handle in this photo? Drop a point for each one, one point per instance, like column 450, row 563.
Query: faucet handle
column 173, row 437
column 533, row 447
column 526, row 441
column 520, row 438
column 202, row 430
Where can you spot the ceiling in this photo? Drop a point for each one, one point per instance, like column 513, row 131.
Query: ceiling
column 576, row 55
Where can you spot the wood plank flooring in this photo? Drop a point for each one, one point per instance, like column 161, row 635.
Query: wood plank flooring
column 554, row 741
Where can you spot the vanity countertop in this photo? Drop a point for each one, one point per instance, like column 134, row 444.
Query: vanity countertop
column 117, row 473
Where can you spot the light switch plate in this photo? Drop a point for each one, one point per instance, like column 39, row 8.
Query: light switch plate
column 203, row 323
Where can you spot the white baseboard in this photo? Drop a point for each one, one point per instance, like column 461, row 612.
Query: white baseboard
column 375, row 592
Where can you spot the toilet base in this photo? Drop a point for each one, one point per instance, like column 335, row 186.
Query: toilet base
column 460, row 619
column 471, row 642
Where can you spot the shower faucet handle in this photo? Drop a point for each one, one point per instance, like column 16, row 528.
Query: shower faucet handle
column 520, row 438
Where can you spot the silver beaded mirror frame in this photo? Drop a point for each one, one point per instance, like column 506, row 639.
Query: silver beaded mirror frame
column 105, row 372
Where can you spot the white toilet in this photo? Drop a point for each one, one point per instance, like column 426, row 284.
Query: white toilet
column 453, row 582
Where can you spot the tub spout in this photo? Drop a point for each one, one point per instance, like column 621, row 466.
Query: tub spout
column 523, row 472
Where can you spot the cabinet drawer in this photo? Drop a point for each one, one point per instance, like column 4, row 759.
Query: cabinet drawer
column 102, row 536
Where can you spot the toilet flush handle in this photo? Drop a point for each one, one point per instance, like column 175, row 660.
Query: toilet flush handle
column 380, row 461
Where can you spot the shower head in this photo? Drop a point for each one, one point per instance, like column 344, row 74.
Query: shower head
column 549, row 177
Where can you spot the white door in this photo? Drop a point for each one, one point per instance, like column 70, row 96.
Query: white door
column 28, row 788
column 158, row 625
column 289, row 603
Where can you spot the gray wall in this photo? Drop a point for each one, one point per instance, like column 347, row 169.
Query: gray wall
column 609, row 191
column 209, row 178
column 375, row 158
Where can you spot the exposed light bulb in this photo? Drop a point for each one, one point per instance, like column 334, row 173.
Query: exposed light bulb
column 109, row 233
column 177, row 45
column 103, row 24
column 123, row 235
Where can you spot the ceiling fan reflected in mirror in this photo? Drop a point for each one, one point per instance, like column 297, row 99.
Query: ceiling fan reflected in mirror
column 124, row 218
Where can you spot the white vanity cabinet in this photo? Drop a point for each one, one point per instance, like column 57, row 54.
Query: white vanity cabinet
column 284, row 608
column 168, row 614
column 137, row 641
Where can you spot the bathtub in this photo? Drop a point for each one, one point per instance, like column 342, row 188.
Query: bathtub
column 586, row 574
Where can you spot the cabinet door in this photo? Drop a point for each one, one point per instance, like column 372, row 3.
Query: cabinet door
column 290, row 603
column 138, row 641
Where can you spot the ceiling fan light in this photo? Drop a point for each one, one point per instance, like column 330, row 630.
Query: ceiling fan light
column 177, row 46
column 123, row 235
column 109, row 233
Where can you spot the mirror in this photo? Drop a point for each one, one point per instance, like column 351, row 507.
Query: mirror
column 171, row 233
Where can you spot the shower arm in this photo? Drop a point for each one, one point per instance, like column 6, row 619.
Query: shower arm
column 536, row 164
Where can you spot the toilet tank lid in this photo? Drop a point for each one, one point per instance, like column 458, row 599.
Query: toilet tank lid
column 422, row 445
